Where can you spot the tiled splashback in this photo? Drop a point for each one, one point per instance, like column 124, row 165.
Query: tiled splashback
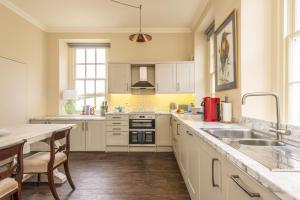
column 156, row 102
column 265, row 125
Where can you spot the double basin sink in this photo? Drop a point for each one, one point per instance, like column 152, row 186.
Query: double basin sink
column 262, row 147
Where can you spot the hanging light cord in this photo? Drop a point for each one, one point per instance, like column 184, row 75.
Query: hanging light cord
column 132, row 6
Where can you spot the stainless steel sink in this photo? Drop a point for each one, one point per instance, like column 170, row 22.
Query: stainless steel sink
column 261, row 143
column 235, row 133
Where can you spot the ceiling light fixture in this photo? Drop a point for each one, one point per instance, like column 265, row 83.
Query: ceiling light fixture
column 138, row 37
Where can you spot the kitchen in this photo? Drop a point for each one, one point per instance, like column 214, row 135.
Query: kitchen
column 146, row 99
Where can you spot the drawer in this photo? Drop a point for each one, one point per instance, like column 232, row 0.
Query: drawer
column 117, row 117
column 117, row 128
column 117, row 138
column 117, row 123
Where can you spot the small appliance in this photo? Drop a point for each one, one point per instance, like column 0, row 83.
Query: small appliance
column 211, row 108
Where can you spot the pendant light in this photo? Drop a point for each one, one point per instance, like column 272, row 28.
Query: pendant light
column 140, row 36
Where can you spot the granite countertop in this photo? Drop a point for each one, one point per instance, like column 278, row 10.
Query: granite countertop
column 286, row 185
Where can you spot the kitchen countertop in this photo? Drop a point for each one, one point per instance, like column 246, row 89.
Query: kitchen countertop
column 71, row 117
column 286, row 185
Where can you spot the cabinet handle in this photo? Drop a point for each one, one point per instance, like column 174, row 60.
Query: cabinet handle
column 86, row 126
column 178, row 129
column 82, row 126
column 116, row 133
column 189, row 133
column 213, row 172
column 237, row 180
column 116, row 129
column 116, row 117
column 116, row 123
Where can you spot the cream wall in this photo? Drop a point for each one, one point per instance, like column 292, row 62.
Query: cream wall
column 163, row 47
column 23, row 41
column 256, row 52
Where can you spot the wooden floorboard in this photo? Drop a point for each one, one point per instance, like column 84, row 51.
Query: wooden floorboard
column 118, row 176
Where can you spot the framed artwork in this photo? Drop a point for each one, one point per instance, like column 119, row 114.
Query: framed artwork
column 226, row 58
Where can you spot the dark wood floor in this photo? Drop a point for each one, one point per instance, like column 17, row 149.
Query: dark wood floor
column 118, row 176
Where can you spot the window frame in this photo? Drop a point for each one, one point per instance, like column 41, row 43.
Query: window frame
column 291, row 33
column 85, row 79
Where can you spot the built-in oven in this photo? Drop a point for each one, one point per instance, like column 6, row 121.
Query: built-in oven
column 142, row 129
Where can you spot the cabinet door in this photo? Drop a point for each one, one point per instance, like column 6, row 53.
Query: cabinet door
column 119, row 78
column 185, row 78
column 95, row 135
column 183, row 157
column 77, row 136
column 163, row 133
column 211, row 185
column 193, row 171
column 165, row 78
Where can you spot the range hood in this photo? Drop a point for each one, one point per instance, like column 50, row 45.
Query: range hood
column 143, row 82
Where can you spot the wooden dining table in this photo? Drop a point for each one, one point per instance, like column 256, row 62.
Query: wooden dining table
column 32, row 133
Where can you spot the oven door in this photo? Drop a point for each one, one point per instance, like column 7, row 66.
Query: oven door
column 142, row 123
column 142, row 137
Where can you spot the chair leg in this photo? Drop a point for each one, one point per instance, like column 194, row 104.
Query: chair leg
column 52, row 185
column 38, row 179
column 17, row 195
column 67, row 171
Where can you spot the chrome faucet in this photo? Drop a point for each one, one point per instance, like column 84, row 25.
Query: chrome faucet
column 279, row 132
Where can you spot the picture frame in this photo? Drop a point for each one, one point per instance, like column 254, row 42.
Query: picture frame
column 226, row 54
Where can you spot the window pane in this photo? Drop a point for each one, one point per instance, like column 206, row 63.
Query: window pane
column 99, row 100
column 100, row 86
column 80, row 87
column 80, row 71
column 100, row 71
column 90, row 101
column 80, row 55
column 90, row 56
column 294, row 103
column 101, row 56
column 295, row 71
column 90, row 87
column 297, row 15
column 80, row 103
column 90, row 71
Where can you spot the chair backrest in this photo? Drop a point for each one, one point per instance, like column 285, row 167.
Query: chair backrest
column 63, row 145
column 10, row 152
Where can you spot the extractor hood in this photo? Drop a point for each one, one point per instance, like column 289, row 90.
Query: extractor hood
column 143, row 82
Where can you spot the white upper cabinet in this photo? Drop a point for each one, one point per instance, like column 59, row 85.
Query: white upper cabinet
column 119, row 78
column 165, row 78
column 185, row 77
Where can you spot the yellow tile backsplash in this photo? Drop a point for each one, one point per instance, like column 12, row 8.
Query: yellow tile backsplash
column 156, row 102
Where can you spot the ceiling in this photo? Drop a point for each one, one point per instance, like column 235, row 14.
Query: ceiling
column 104, row 15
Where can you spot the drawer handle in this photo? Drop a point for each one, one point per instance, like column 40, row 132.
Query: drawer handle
column 178, row 129
column 116, row 117
column 238, row 181
column 189, row 133
column 116, row 123
column 116, row 133
column 213, row 172
column 116, row 129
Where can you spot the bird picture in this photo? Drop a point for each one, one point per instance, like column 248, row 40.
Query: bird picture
column 226, row 54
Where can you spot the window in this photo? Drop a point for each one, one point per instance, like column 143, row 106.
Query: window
column 211, row 58
column 90, row 76
column 293, row 38
column 212, row 74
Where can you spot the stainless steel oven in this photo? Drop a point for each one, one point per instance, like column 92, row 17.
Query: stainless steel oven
column 142, row 129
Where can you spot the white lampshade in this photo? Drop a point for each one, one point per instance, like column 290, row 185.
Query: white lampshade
column 69, row 95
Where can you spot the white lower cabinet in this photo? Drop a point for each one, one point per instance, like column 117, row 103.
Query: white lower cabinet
column 208, row 174
column 163, row 133
column 77, row 136
column 95, row 136
column 241, row 186
column 211, row 174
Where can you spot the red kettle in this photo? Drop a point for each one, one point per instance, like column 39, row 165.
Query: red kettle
column 211, row 108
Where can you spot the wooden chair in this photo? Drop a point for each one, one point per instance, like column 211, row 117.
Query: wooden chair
column 47, row 162
column 11, row 187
